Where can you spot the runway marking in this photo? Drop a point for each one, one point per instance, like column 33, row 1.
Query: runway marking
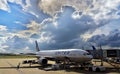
column 19, row 71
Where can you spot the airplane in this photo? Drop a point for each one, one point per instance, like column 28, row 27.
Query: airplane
column 62, row 55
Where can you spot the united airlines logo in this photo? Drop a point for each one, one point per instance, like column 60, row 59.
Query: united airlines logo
column 62, row 52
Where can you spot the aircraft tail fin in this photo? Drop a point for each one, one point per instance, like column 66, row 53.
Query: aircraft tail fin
column 94, row 53
column 94, row 48
column 37, row 47
column 97, row 53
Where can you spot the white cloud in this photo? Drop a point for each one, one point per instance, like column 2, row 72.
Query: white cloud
column 76, row 15
column 3, row 48
column 3, row 28
column 26, row 50
column 16, row 1
column 99, row 31
column 52, row 6
column 9, row 41
column 104, row 10
column 3, row 38
column 28, row 6
column 32, row 8
column 99, row 10
column 32, row 28
column 4, row 5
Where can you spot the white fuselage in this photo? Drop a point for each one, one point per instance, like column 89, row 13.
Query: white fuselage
column 74, row 55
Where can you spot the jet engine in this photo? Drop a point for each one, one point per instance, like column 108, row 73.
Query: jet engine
column 43, row 61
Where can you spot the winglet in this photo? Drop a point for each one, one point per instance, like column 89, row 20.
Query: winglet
column 37, row 47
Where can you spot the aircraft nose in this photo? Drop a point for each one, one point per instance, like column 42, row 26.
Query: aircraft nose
column 90, row 56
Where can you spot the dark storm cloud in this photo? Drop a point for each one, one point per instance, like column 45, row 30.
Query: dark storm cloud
column 68, row 30
column 111, row 40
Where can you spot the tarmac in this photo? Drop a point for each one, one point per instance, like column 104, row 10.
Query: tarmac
column 9, row 66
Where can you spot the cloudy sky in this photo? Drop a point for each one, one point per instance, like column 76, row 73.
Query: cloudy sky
column 58, row 24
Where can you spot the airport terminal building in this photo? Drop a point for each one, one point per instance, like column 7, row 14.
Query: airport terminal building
column 111, row 53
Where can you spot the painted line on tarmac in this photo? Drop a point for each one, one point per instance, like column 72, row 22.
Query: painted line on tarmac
column 19, row 71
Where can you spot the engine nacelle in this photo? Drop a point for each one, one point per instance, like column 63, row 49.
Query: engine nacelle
column 42, row 61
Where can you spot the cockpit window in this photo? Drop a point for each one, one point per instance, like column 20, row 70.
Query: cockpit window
column 86, row 54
